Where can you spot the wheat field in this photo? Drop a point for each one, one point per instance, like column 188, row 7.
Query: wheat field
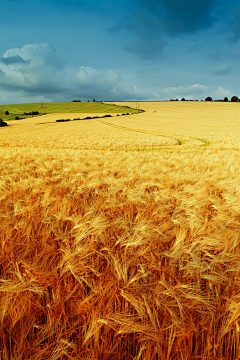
column 120, row 237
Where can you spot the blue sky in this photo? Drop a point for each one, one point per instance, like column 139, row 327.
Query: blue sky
column 58, row 50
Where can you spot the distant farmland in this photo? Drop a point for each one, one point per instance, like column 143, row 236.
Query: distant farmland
column 64, row 107
column 120, row 236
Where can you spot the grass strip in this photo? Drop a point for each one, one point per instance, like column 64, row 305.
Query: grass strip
column 24, row 110
column 206, row 142
column 141, row 131
column 180, row 142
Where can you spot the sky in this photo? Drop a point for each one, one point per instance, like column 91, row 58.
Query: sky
column 64, row 50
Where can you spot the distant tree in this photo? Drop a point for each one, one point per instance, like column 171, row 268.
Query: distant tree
column 234, row 98
column 176, row 99
column 225, row 99
column 6, row 112
column 208, row 98
column 183, row 99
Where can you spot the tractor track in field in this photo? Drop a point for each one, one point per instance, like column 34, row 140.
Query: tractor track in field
column 180, row 142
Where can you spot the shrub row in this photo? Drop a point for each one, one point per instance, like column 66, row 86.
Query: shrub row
column 92, row 117
column 63, row 120
column 31, row 113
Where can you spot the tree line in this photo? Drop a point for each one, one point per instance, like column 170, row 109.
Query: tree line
column 209, row 98
column 233, row 99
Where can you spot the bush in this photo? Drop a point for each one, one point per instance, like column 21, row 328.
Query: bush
column 6, row 112
column 208, row 98
column 2, row 123
column 234, row 98
column 87, row 117
column 17, row 118
column 107, row 115
column 77, row 119
column 63, row 120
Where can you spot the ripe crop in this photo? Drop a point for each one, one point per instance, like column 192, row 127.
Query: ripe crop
column 119, row 237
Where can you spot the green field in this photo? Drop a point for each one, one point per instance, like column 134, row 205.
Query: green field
column 64, row 107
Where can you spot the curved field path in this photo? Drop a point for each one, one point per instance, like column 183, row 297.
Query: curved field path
column 217, row 123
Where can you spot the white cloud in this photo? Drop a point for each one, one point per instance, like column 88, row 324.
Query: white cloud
column 38, row 55
column 37, row 72
column 91, row 80
column 34, row 69
column 192, row 92
column 108, row 85
column 220, row 93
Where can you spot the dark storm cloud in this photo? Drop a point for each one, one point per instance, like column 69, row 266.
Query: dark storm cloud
column 234, row 15
column 155, row 22
column 223, row 69
column 146, row 46
column 181, row 16
column 103, row 5
column 10, row 60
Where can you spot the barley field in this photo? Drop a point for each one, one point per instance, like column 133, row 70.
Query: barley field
column 120, row 237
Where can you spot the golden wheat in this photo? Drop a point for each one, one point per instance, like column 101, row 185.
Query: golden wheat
column 107, row 254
